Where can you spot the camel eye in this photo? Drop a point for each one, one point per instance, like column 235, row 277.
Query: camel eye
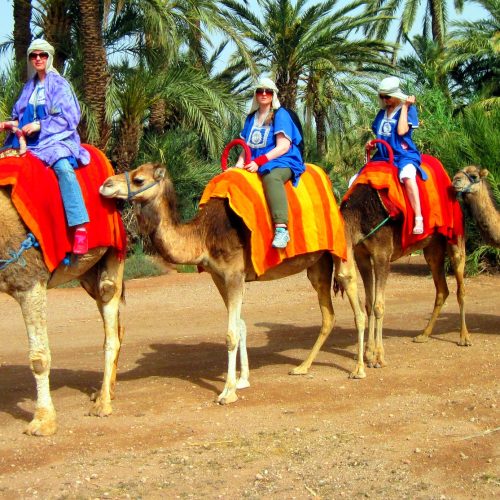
column 138, row 181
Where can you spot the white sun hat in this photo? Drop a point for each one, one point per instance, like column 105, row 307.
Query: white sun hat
column 40, row 44
column 265, row 83
column 391, row 86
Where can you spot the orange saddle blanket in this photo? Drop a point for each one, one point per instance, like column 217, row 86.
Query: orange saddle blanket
column 440, row 208
column 314, row 219
column 36, row 196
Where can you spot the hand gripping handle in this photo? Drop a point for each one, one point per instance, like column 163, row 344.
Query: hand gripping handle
column 227, row 149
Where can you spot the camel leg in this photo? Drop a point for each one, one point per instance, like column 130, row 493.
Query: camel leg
column 34, row 308
column 457, row 257
column 366, row 270
column 105, row 284
column 434, row 254
column 320, row 276
column 232, row 289
column 345, row 273
column 381, row 266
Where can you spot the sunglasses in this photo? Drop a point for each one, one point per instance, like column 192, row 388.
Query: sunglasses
column 385, row 97
column 264, row 91
column 36, row 55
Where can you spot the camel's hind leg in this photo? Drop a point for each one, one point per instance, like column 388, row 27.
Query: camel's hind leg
column 345, row 273
column 363, row 261
column 457, row 257
column 232, row 288
column 34, row 308
column 320, row 276
column 434, row 254
column 105, row 284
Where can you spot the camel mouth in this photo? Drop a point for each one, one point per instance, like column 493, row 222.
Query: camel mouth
column 108, row 191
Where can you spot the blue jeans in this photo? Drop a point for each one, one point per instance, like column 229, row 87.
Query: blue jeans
column 74, row 204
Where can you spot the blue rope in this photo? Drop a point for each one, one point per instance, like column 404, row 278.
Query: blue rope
column 28, row 243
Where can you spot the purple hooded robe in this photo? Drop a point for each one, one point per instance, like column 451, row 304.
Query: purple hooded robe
column 58, row 137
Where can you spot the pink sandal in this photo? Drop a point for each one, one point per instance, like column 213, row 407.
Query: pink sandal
column 419, row 225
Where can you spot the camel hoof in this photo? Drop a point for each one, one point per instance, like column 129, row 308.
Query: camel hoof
column 43, row 424
column 228, row 399
column 357, row 374
column 299, row 370
column 100, row 409
column 421, row 339
column 242, row 383
column 464, row 343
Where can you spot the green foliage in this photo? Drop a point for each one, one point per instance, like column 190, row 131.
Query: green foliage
column 140, row 265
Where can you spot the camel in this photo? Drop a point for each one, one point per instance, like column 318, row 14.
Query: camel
column 100, row 273
column 471, row 183
column 363, row 212
column 218, row 241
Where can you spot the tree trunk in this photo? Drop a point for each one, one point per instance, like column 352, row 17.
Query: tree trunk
column 127, row 145
column 320, row 119
column 287, row 86
column 22, row 34
column 57, row 30
column 157, row 116
column 95, row 75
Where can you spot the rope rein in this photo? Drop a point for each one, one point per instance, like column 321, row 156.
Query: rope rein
column 375, row 229
column 131, row 194
column 28, row 243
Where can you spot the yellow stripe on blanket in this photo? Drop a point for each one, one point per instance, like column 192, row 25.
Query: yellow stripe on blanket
column 314, row 219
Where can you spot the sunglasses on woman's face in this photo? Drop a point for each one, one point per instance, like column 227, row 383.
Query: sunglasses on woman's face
column 385, row 97
column 264, row 91
column 41, row 55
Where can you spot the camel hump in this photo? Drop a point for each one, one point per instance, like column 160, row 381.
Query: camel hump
column 314, row 219
column 36, row 196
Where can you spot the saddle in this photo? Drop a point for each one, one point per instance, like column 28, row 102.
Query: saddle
column 441, row 211
column 314, row 219
column 35, row 194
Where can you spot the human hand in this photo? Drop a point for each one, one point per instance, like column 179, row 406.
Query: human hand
column 7, row 124
column 251, row 167
column 31, row 128
column 410, row 100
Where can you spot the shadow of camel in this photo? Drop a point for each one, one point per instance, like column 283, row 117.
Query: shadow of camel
column 205, row 363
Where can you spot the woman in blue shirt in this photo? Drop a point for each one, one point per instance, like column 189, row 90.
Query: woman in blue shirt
column 394, row 124
column 273, row 139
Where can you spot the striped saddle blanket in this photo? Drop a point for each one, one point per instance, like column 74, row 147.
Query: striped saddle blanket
column 314, row 219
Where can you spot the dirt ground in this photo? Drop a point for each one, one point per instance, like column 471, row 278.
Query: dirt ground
column 424, row 427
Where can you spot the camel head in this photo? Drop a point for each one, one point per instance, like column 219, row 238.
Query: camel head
column 140, row 185
column 468, row 180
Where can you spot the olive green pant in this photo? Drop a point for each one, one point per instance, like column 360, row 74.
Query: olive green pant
column 274, row 189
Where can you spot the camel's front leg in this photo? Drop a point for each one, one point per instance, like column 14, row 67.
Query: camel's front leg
column 34, row 308
column 320, row 276
column 232, row 289
column 434, row 254
column 108, row 301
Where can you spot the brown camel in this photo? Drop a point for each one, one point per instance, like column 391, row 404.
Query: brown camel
column 100, row 273
column 363, row 212
column 471, row 183
column 218, row 241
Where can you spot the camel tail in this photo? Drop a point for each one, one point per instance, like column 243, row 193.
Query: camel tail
column 337, row 287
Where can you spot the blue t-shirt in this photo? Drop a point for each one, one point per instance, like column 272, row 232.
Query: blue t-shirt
column 386, row 128
column 262, row 138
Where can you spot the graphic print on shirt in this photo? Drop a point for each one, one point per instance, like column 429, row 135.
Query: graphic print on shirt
column 258, row 136
column 385, row 128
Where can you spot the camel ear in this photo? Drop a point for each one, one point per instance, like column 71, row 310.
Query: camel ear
column 159, row 173
column 483, row 173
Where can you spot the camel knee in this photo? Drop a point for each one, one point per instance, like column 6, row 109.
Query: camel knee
column 379, row 310
column 107, row 287
column 232, row 340
column 39, row 362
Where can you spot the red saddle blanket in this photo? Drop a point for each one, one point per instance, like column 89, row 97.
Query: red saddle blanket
column 36, row 196
column 441, row 211
column 314, row 219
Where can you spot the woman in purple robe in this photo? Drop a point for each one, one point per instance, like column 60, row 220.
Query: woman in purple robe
column 48, row 113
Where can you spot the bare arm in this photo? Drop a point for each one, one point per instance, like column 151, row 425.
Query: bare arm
column 403, row 126
column 282, row 146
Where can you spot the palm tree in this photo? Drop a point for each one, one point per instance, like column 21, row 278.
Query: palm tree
column 311, row 44
column 434, row 23
column 473, row 54
column 22, row 33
